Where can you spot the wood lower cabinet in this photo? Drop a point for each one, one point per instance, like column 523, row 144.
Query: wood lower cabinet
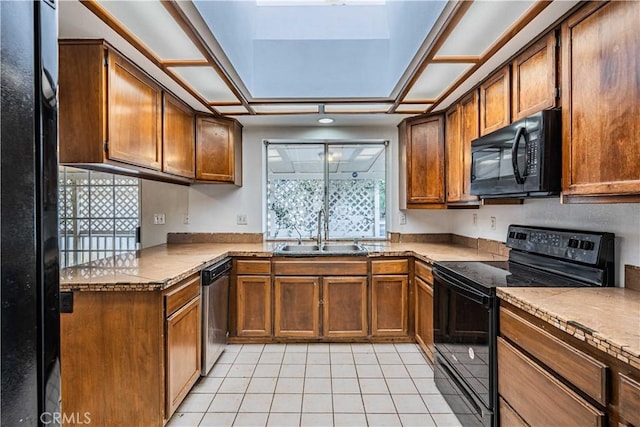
column 389, row 305
column 422, row 180
column 549, row 377
column 296, row 306
column 547, row 401
column 253, row 306
column 601, row 104
column 218, row 150
column 424, row 307
column 138, row 347
column 495, row 101
column 344, row 307
column 178, row 140
column 535, row 80
column 183, row 353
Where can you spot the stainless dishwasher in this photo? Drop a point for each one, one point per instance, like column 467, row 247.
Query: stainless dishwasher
column 215, row 312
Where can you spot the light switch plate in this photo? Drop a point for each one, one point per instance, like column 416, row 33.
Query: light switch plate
column 159, row 219
column 241, row 219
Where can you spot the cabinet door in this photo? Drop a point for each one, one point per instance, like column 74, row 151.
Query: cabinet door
column 601, row 102
column 218, row 150
column 453, row 145
column 534, row 78
column 178, row 139
column 344, row 302
column 296, row 307
column 425, row 163
column 134, row 123
column 389, row 305
column 253, row 309
column 630, row 399
column 461, row 129
column 183, row 353
column 495, row 101
column 424, row 317
column 547, row 401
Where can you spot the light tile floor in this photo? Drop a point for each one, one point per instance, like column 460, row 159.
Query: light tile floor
column 317, row 385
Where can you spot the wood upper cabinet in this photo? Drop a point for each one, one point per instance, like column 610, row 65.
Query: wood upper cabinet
column 253, row 306
column 134, row 115
column 422, row 163
column 535, row 78
column 461, row 128
column 178, row 138
column 495, row 101
column 344, row 306
column 110, row 114
column 601, row 103
column 296, row 306
column 218, row 150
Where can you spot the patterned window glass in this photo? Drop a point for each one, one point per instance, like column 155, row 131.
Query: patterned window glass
column 99, row 215
column 346, row 180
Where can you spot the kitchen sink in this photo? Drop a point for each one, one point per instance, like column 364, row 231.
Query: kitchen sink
column 326, row 249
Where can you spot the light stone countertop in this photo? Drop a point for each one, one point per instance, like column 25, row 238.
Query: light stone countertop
column 606, row 318
column 159, row 267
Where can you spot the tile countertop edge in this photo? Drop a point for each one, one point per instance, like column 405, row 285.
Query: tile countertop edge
column 599, row 341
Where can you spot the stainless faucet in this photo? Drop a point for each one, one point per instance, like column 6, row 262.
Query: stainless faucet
column 321, row 212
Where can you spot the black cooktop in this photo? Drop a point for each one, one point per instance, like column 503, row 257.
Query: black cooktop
column 492, row 274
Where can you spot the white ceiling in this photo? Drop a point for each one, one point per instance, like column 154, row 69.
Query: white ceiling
column 287, row 65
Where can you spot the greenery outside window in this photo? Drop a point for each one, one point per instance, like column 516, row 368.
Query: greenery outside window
column 347, row 180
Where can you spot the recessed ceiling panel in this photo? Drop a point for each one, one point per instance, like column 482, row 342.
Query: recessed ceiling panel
column 231, row 109
column 207, row 82
column 356, row 108
column 481, row 26
column 286, row 108
column 155, row 27
column 411, row 108
column 435, row 79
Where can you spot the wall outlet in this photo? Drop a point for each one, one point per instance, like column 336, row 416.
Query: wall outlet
column 159, row 219
column 493, row 222
column 475, row 219
column 241, row 219
column 402, row 218
column 185, row 218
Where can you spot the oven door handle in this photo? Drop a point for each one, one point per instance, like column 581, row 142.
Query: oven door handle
column 463, row 289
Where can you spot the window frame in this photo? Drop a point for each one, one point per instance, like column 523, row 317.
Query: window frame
column 326, row 143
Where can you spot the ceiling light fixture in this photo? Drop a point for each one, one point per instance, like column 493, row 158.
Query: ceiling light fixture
column 323, row 120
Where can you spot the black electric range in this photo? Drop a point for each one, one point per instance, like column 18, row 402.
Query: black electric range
column 466, row 307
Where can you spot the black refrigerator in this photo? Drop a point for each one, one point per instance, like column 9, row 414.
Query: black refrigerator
column 30, row 346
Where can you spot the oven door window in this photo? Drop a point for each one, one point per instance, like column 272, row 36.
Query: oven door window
column 462, row 335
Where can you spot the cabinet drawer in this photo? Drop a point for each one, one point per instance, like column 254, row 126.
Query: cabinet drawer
column 181, row 293
column 390, row 266
column 582, row 370
column 423, row 271
column 509, row 417
column 320, row 267
column 546, row 401
column 630, row 400
column 253, row 266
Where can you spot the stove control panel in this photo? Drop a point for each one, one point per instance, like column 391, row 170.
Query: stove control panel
column 581, row 246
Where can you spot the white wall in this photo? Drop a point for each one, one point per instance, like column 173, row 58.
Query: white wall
column 159, row 197
column 214, row 208
column 621, row 219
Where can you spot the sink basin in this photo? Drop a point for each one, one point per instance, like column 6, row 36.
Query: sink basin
column 326, row 249
column 298, row 248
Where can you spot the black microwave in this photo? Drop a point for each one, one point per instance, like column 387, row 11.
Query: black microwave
column 520, row 160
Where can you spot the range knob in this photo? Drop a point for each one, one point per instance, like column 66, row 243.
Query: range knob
column 574, row 243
